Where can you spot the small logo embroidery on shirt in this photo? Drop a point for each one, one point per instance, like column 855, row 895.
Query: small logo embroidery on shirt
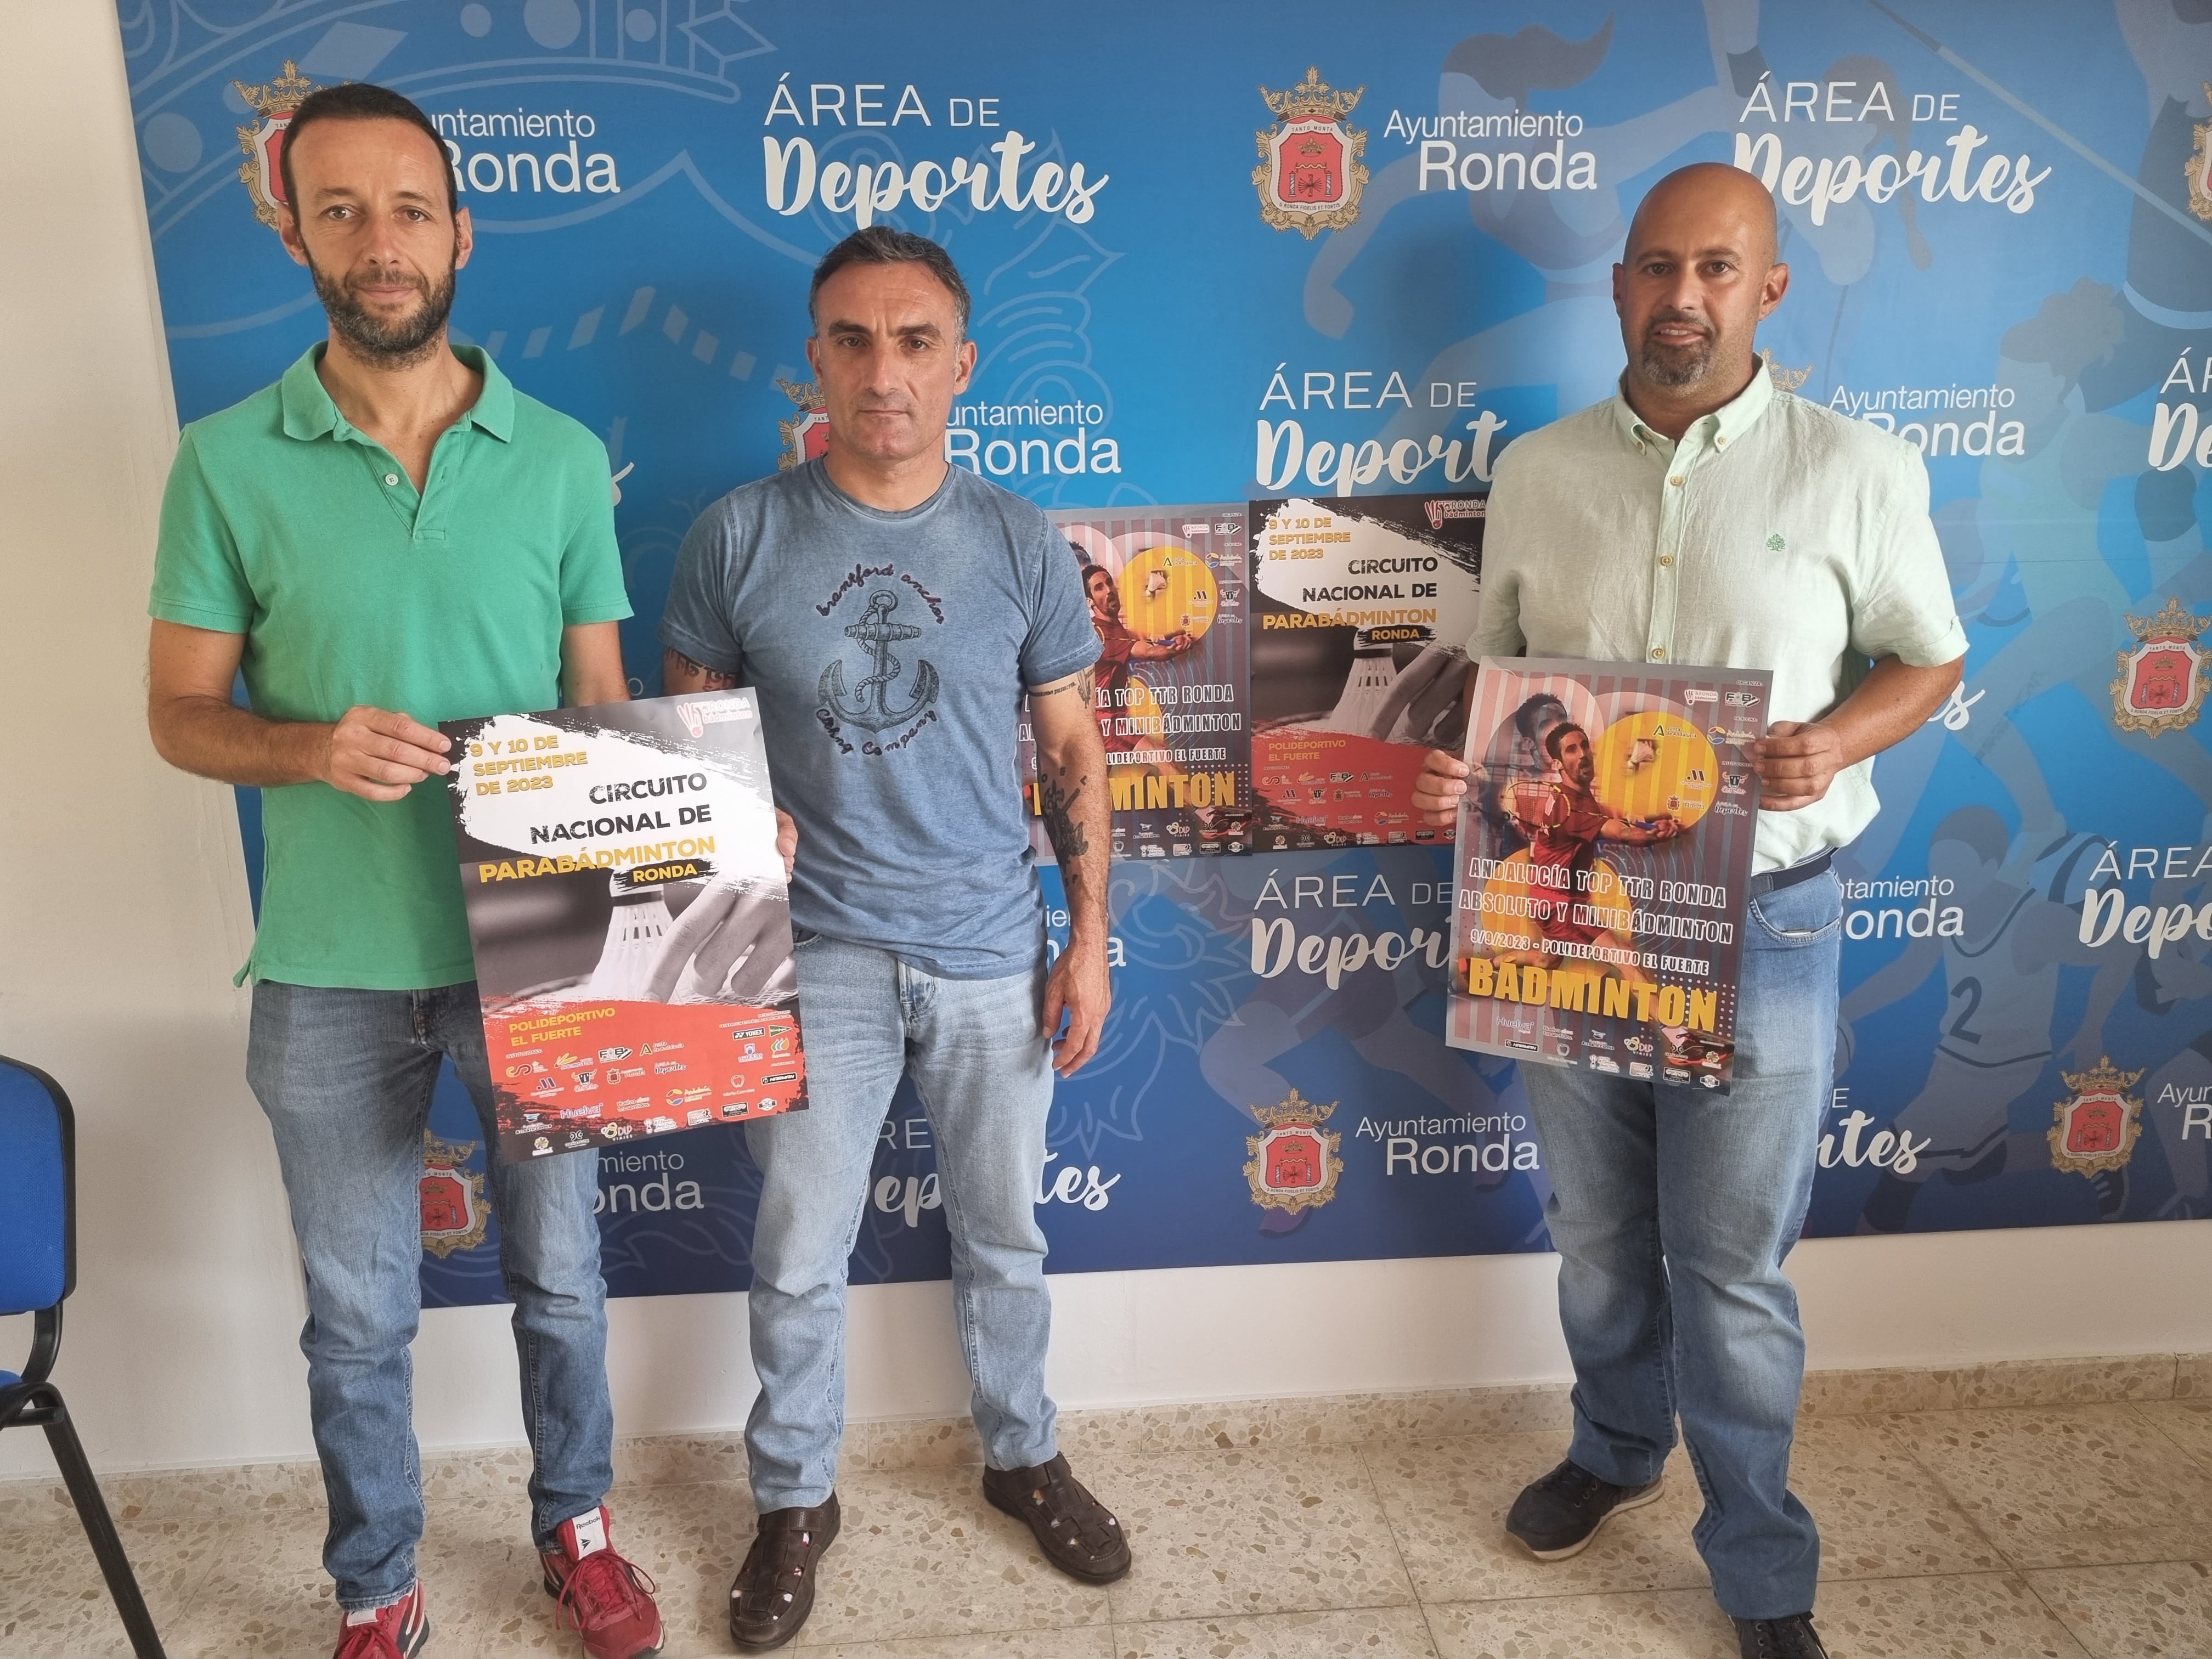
column 1776, row 542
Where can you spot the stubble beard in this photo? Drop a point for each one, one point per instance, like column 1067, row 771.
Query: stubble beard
column 399, row 344
column 1676, row 367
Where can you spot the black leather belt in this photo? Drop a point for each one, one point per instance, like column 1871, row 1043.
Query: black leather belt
column 1773, row 881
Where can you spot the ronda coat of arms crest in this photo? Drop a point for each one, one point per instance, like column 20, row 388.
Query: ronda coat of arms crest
column 1293, row 1164
column 262, row 172
column 807, row 429
column 455, row 1211
column 1310, row 175
column 2161, row 682
column 2097, row 1127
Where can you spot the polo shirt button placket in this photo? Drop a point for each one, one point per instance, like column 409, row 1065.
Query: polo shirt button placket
column 1671, row 506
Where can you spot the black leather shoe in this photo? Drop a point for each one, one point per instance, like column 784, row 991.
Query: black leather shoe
column 774, row 1588
column 1078, row 1534
column 1557, row 1517
column 1778, row 1638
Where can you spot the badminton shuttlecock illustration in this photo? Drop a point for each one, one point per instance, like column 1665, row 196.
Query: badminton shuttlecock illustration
column 1156, row 583
column 1365, row 704
column 633, row 949
column 1641, row 753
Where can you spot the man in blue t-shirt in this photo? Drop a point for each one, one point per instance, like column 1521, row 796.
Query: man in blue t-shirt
column 891, row 610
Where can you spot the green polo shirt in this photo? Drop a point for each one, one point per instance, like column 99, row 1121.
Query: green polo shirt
column 283, row 523
column 1777, row 535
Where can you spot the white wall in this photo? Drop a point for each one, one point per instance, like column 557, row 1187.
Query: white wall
column 123, row 913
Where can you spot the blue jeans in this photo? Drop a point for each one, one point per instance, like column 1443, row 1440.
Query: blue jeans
column 345, row 1077
column 1672, row 1208
column 983, row 1068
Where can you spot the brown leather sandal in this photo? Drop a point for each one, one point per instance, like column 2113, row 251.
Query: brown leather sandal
column 1079, row 1535
column 775, row 1590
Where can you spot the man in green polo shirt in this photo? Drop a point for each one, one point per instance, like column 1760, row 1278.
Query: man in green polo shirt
column 389, row 536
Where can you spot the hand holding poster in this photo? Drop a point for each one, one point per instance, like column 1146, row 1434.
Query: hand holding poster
column 631, row 919
column 1359, row 607
column 1603, row 863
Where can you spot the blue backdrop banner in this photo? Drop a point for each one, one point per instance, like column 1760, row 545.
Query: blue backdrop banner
column 1221, row 253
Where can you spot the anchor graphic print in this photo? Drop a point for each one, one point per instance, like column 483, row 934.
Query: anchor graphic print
column 869, row 705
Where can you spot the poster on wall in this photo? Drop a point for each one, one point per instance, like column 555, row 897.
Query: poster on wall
column 1167, row 594
column 2005, row 268
column 1603, row 866
column 630, row 920
column 1362, row 606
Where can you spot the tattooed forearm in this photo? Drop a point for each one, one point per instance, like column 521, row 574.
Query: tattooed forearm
column 1056, row 802
column 1083, row 685
column 1072, row 799
column 677, row 669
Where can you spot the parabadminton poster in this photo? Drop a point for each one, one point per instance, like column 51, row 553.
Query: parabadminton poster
column 1361, row 610
column 1604, row 854
column 631, row 919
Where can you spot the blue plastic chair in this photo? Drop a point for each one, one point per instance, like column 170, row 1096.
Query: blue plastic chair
column 38, row 1270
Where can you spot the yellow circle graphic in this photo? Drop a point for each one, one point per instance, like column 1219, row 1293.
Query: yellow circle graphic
column 1506, row 895
column 1656, row 764
column 1166, row 591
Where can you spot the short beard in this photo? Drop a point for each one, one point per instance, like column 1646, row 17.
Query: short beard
column 1675, row 367
column 402, row 345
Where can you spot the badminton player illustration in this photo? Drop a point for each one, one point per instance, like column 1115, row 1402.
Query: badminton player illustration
column 1119, row 644
column 1564, row 821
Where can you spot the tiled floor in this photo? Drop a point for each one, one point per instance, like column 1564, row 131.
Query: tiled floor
column 1998, row 1531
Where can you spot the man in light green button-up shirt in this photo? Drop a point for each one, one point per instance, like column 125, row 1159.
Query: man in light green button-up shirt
column 1703, row 517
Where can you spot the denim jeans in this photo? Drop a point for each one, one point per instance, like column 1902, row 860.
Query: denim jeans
column 982, row 1066
column 345, row 1077
column 1672, row 1209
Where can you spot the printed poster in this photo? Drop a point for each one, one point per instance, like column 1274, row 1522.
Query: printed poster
column 1167, row 594
column 1362, row 607
column 1603, row 862
column 631, row 919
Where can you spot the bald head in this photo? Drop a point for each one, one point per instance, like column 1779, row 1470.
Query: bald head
column 1708, row 204
column 1696, row 278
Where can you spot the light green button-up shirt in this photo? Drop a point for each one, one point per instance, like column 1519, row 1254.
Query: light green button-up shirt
column 1776, row 534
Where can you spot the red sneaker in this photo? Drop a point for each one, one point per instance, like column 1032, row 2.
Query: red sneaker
column 397, row 1632
column 609, row 1601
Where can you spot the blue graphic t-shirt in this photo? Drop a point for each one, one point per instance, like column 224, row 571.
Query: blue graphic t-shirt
column 890, row 651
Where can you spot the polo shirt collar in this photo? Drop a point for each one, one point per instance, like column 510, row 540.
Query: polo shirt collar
column 309, row 413
column 1727, row 424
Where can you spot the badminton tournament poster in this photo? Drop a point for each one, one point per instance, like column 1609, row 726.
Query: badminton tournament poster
column 1167, row 596
column 1361, row 610
column 1603, row 864
column 631, row 919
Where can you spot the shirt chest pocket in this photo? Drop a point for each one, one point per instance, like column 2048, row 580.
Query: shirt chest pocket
column 1761, row 584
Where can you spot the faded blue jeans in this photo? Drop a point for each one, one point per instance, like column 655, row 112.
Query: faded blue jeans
column 345, row 1077
column 979, row 1061
column 1672, row 1208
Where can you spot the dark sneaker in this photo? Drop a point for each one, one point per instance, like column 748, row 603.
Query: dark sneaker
column 1078, row 1535
column 397, row 1632
column 774, row 1588
column 1557, row 1517
column 1778, row 1638
column 608, row 1599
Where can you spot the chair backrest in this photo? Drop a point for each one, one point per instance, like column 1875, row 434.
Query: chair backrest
column 38, row 1242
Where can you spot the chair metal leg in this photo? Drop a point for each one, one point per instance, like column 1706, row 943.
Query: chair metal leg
column 106, row 1545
